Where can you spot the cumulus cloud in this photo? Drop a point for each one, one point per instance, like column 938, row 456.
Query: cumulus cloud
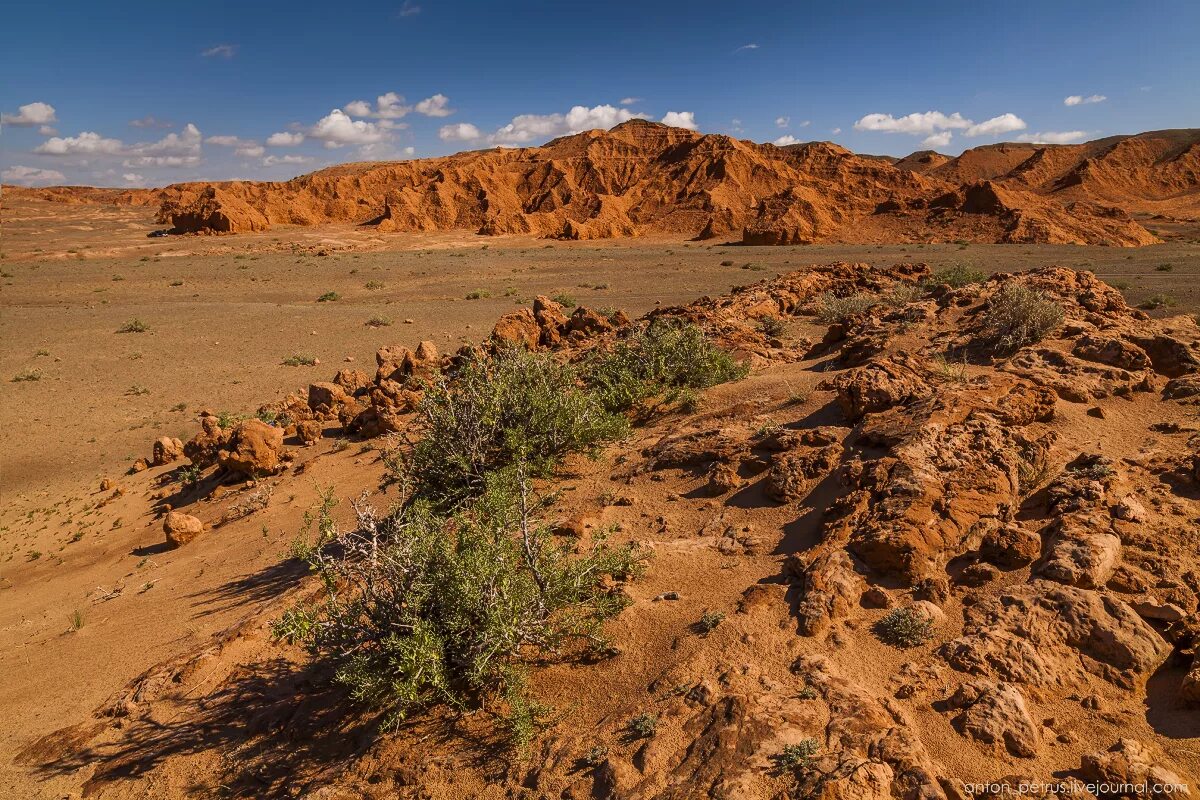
column 436, row 106
column 31, row 114
column 782, row 122
column 220, row 51
column 186, row 143
column 31, row 175
column 271, row 161
column 86, row 143
column 285, row 139
column 938, row 139
column 919, row 124
column 786, row 139
column 245, row 148
column 459, row 132
column 805, row 124
column 528, row 127
column 410, row 151
column 836, row 130
column 47, row 130
column 1053, row 137
column 628, row 101
column 337, row 129
column 680, row 119
column 1004, row 123
column 133, row 178
column 150, row 121
column 1080, row 100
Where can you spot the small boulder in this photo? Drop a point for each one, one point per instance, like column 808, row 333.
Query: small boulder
column 181, row 528
column 309, row 432
column 253, row 449
column 1130, row 764
column 167, row 450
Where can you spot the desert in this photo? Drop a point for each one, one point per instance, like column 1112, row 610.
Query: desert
column 603, row 454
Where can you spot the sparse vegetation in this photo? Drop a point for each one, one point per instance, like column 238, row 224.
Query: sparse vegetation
column 643, row 726
column 373, row 285
column 710, row 621
column 904, row 627
column 797, row 757
column 137, row 390
column 565, row 300
column 1164, row 268
column 478, row 294
column 771, row 327
column 299, row 360
column 832, row 309
column 189, row 475
column 957, row 276
column 329, row 297
column 661, row 358
column 134, row 325
column 27, row 375
column 1158, row 301
column 950, row 371
column 76, row 620
column 1017, row 316
column 378, row 322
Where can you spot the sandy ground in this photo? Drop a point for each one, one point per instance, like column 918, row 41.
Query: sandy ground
column 222, row 314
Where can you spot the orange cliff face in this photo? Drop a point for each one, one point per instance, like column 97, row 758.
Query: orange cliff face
column 647, row 178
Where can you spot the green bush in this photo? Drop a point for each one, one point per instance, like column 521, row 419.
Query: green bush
column 661, row 358
column 514, row 406
column 1017, row 316
column 831, row 308
column 957, row 276
column 904, row 627
column 133, row 326
column 420, row 608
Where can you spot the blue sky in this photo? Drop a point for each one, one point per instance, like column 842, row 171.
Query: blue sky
column 137, row 93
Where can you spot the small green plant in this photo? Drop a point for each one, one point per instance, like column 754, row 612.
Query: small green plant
column 771, row 327
column 904, row 627
column 1164, row 268
column 709, row 622
column 643, row 726
column 1017, row 316
column 1158, row 301
column 76, row 620
column 950, row 371
column 807, row 693
column 299, row 360
column 133, row 326
column 565, row 300
column 378, row 322
column 595, row 756
column 267, row 415
column 797, row 757
column 227, row 419
column 189, row 475
column 956, row 276
column 329, row 297
column 373, row 285
column 478, row 294
column 27, row 375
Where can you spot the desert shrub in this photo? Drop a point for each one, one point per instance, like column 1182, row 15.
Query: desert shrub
column 1164, row 267
column 797, row 757
column 513, row 406
column 420, row 608
column 329, row 297
column 1158, row 301
column 904, row 627
column 373, row 285
column 478, row 294
column 27, row 375
column 378, row 322
column 901, row 294
column 565, row 300
column 662, row 357
column 957, row 276
column 133, row 326
column 643, row 726
column 299, row 360
column 1017, row 316
column 771, row 327
column 710, row 621
column 831, row 308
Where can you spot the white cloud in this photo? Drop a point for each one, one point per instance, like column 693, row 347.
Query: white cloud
column 459, row 132
column 284, row 139
column 527, row 127
column 220, row 51
column 938, row 139
column 271, row 161
column 47, row 130
column 133, row 178
column 836, row 130
column 31, row 175
column 782, row 122
column 786, row 139
column 436, row 106
column 680, row 119
column 30, row 114
column 249, row 150
column 358, row 108
column 186, row 143
column 337, row 129
column 224, row 141
column 920, row 124
column 1053, row 137
column 628, row 101
column 410, row 151
column 408, row 9
column 246, row 148
column 750, row 46
column 1004, row 123
column 390, row 106
column 805, row 124
column 1080, row 100
column 86, row 143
